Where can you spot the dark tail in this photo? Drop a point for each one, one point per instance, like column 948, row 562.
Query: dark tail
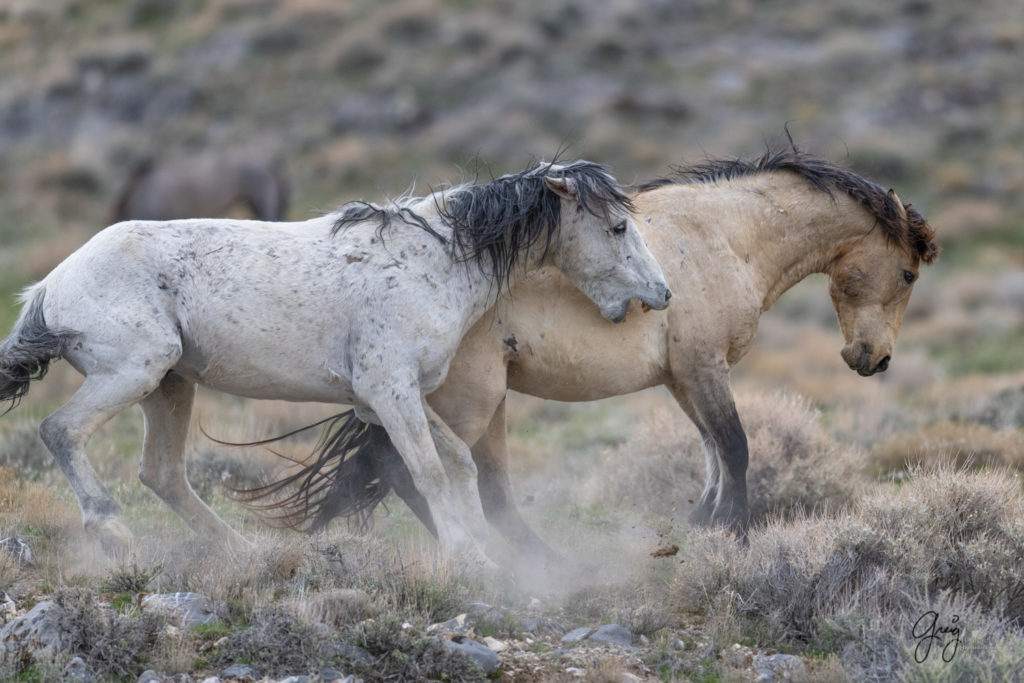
column 26, row 354
column 354, row 468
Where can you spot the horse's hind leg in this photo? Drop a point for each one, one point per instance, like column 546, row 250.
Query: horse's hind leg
column 167, row 412
column 66, row 433
column 491, row 455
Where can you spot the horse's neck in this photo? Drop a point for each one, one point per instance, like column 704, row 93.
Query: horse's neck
column 790, row 230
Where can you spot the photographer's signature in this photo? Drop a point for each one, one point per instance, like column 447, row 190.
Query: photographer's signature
column 928, row 632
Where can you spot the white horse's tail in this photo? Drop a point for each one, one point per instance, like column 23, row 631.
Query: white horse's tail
column 26, row 354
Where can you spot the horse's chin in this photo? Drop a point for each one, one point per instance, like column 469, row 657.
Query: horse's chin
column 615, row 312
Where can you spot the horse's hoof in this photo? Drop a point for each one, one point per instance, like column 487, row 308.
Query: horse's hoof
column 701, row 518
column 227, row 541
column 114, row 537
column 240, row 544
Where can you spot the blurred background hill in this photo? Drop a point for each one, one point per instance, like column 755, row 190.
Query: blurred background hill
column 362, row 97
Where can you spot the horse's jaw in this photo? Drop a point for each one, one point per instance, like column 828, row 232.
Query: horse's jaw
column 615, row 312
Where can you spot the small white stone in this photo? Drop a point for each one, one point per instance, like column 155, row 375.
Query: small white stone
column 495, row 644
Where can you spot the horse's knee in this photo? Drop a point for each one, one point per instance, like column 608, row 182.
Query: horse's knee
column 54, row 435
column 149, row 477
column 158, row 477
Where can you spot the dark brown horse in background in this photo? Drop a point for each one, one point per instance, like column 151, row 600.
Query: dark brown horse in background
column 731, row 237
column 206, row 185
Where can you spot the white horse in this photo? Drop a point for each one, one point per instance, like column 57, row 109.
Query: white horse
column 365, row 306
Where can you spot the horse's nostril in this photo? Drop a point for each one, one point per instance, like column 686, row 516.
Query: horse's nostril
column 883, row 364
column 668, row 294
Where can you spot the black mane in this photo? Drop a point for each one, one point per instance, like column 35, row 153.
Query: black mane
column 359, row 211
column 911, row 233
column 494, row 223
column 499, row 220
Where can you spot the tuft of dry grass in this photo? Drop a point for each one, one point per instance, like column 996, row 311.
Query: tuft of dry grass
column 35, row 510
column 949, row 540
column 963, row 443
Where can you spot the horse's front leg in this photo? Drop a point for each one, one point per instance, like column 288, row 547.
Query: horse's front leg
column 462, row 474
column 707, row 399
column 402, row 413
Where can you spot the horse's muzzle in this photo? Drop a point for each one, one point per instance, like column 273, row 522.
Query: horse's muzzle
column 659, row 300
column 863, row 363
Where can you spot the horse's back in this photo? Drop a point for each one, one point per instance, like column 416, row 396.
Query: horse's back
column 206, row 185
column 267, row 310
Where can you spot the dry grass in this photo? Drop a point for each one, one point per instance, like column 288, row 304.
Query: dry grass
column 949, row 540
column 794, row 466
column 963, row 443
column 32, row 509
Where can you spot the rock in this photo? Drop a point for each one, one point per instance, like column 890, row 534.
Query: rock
column 17, row 549
column 211, row 679
column 354, row 653
column 575, row 671
column 485, row 657
column 577, row 634
column 37, row 632
column 76, row 670
column 627, row 677
column 779, row 667
column 612, row 634
column 8, row 609
column 328, row 674
column 541, row 625
column 495, row 644
column 460, row 625
column 294, row 679
column 150, row 676
column 181, row 609
column 738, row 656
column 481, row 611
column 241, row 672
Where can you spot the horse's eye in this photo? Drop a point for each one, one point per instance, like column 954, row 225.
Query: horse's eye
column 909, row 277
column 619, row 228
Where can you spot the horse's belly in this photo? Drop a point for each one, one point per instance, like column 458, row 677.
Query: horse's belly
column 280, row 378
column 569, row 359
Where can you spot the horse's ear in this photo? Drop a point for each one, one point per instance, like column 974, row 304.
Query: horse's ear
column 899, row 205
column 563, row 187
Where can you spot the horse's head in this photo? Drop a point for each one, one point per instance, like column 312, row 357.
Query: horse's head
column 600, row 249
column 870, row 284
